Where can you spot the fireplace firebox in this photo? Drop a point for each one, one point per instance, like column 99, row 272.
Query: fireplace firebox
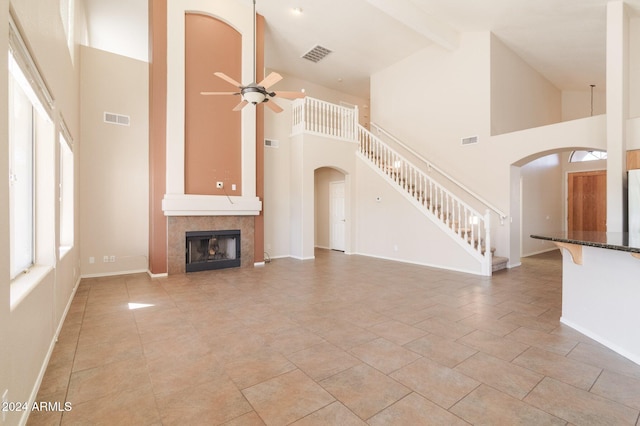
column 208, row 250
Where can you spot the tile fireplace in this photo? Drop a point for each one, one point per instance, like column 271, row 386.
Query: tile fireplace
column 181, row 226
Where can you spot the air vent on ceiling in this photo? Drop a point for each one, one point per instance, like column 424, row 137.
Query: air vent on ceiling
column 122, row 120
column 470, row 140
column 271, row 143
column 317, row 53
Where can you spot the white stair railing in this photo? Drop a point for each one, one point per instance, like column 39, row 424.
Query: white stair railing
column 323, row 118
column 459, row 217
column 471, row 228
column 432, row 167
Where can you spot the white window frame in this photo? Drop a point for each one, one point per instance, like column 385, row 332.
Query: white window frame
column 582, row 156
column 24, row 72
column 21, row 176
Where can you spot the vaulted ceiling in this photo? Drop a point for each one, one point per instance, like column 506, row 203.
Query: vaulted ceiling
column 564, row 40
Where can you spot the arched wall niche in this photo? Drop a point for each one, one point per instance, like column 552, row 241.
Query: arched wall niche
column 213, row 144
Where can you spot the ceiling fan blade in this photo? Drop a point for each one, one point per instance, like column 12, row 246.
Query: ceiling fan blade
column 290, row 95
column 227, row 78
column 270, row 80
column 219, row 93
column 240, row 106
column 273, row 106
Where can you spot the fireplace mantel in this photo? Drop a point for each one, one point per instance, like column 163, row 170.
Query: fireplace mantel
column 210, row 205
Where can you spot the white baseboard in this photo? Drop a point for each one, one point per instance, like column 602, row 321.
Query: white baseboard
column 114, row 274
column 466, row 271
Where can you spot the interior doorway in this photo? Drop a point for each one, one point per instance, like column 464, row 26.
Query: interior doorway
column 330, row 209
column 587, row 201
column 337, row 221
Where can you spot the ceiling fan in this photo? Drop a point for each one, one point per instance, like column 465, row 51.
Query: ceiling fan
column 256, row 93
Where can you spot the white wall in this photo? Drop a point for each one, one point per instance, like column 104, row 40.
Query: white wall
column 114, row 165
column 521, row 98
column 634, row 67
column 278, row 184
column 388, row 226
column 119, row 26
column 309, row 153
column 542, row 202
column 276, row 203
column 28, row 329
column 455, row 98
column 317, row 91
column 434, row 98
column 577, row 104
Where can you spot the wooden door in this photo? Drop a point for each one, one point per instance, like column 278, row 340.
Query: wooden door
column 587, row 203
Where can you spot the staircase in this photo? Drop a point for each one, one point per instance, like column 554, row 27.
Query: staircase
column 467, row 226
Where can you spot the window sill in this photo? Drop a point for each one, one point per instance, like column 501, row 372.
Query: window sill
column 23, row 284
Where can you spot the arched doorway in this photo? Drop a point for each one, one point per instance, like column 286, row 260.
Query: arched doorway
column 540, row 194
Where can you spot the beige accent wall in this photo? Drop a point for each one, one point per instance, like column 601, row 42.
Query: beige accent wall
column 212, row 128
column 157, row 136
column 114, row 165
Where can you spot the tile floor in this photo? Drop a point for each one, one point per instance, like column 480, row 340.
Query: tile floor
column 342, row 340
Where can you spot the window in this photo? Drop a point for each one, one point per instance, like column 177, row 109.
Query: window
column 21, row 184
column 66, row 191
column 31, row 162
column 580, row 156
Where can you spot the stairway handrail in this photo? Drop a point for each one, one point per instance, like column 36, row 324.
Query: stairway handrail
column 371, row 146
column 442, row 172
column 435, row 183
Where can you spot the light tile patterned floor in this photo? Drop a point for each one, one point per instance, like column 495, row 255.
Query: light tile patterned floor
column 342, row 340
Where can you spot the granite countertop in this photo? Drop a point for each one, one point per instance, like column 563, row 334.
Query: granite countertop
column 621, row 241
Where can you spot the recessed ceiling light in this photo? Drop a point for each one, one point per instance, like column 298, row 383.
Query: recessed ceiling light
column 297, row 11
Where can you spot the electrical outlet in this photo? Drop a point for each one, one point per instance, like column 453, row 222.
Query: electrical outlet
column 219, row 185
column 105, row 259
column 92, row 260
column 112, row 258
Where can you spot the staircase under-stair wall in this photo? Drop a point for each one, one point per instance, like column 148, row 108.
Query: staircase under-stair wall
column 400, row 212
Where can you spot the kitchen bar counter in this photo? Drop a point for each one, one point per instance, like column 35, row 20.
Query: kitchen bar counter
column 621, row 241
column 601, row 287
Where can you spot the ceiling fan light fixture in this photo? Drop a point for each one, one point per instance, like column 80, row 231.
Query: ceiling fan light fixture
column 253, row 95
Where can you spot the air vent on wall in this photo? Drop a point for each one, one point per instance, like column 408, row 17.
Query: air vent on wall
column 470, row 140
column 122, row 120
column 317, row 53
column 271, row 143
